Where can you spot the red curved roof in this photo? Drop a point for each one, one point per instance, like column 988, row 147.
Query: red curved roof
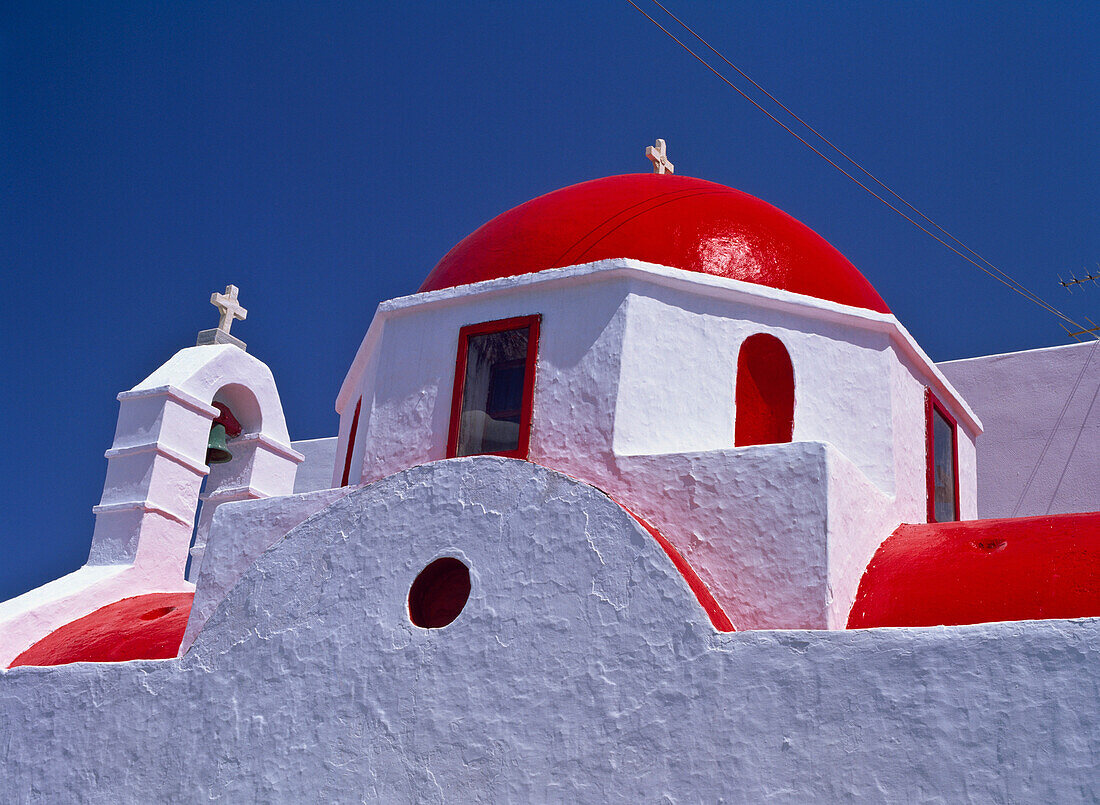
column 145, row 627
column 671, row 220
column 979, row 571
column 718, row 617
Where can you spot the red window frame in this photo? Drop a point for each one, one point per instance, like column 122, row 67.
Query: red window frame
column 931, row 405
column 351, row 442
column 500, row 325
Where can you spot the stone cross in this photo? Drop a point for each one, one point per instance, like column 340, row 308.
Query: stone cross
column 227, row 305
column 656, row 155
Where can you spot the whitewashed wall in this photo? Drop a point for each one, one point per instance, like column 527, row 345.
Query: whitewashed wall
column 581, row 670
column 1041, row 447
column 634, row 393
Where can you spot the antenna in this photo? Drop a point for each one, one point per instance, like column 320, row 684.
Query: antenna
column 1069, row 284
column 1074, row 280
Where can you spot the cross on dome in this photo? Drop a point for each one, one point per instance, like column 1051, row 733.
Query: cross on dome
column 227, row 305
column 656, row 155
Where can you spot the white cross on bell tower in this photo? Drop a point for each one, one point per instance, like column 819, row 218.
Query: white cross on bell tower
column 230, row 310
column 227, row 305
column 656, row 155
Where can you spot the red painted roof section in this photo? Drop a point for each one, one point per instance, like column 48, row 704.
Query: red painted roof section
column 145, row 627
column 979, row 571
column 671, row 220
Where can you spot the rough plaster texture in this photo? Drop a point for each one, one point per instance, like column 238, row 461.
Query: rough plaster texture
column 634, row 393
column 315, row 472
column 240, row 533
column 1041, row 445
column 581, row 669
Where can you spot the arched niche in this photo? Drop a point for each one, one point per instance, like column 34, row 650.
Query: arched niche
column 764, row 399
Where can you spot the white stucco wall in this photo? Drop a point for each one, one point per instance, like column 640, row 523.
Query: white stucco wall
column 315, row 471
column 239, row 534
column 1041, row 447
column 580, row 670
column 677, row 384
column 634, row 393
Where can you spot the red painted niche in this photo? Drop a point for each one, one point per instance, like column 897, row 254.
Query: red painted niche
column 439, row 593
column 765, row 392
column 144, row 627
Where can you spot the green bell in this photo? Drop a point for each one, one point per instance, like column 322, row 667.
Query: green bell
column 217, row 452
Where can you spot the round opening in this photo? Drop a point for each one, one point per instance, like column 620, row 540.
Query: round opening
column 159, row 612
column 439, row 593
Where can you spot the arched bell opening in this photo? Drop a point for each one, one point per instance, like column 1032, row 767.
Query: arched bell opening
column 244, row 405
column 235, row 434
column 225, row 427
column 238, row 422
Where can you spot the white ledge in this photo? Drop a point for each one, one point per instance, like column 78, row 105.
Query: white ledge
column 706, row 285
column 143, row 506
column 271, row 445
column 197, row 467
column 176, row 394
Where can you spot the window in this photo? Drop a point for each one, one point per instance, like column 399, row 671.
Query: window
column 494, row 387
column 942, row 448
column 764, row 400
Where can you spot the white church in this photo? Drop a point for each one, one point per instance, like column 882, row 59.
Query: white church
column 644, row 496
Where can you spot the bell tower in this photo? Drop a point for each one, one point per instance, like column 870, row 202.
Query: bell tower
column 212, row 412
column 211, row 409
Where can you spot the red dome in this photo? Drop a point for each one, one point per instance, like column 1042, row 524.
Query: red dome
column 671, row 220
column 977, row 571
column 144, row 627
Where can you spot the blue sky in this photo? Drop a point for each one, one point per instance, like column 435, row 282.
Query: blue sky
column 324, row 156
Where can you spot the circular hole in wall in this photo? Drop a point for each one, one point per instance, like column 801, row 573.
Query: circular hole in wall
column 439, row 593
column 159, row 612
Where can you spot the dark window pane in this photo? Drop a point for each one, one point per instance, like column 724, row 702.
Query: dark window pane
column 943, row 468
column 506, row 391
column 492, row 394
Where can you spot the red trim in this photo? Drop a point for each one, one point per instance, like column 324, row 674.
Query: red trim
column 717, row 615
column 500, row 325
column 351, row 442
column 931, row 403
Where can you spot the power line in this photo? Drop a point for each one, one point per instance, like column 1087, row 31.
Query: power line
column 1054, row 431
column 1000, row 275
column 836, row 148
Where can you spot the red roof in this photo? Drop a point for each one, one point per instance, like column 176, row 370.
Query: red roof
column 718, row 617
column 671, row 220
column 978, row 571
column 144, row 627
